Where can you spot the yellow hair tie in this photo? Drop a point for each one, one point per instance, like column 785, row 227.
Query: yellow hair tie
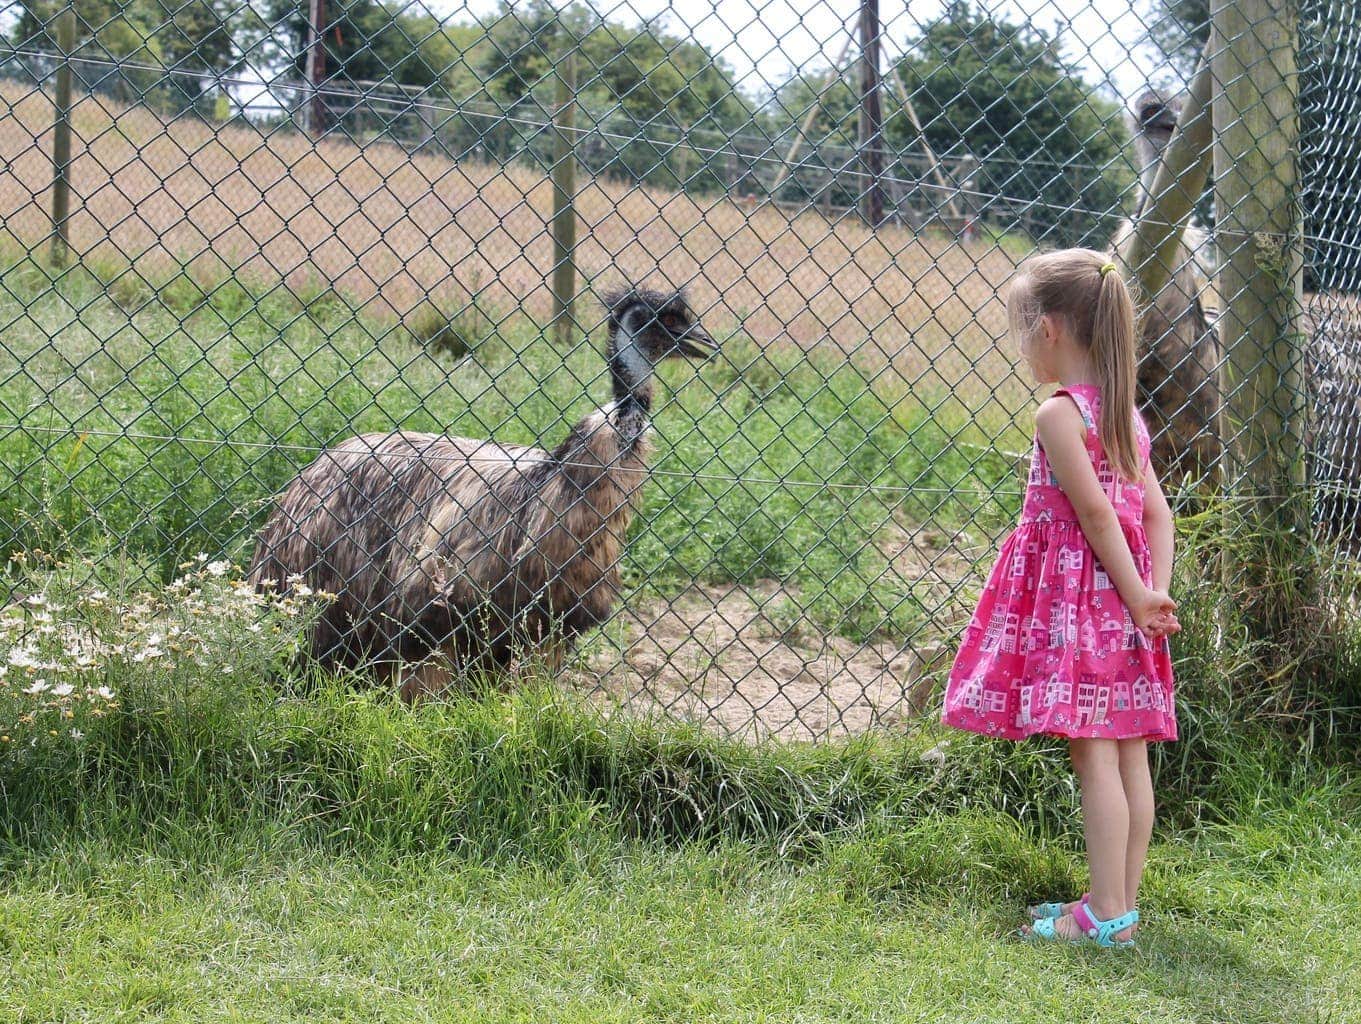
column 1106, row 268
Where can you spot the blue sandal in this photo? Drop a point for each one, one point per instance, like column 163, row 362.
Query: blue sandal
column 1040, row 911
column 1093, row 929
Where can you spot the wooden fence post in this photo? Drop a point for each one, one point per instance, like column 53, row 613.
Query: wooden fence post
column 871, row 117
column 1254, row 46
column 61, row 139
column 564, row 223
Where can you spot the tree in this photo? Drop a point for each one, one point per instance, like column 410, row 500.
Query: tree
column 194, row 40
column 1004, row 94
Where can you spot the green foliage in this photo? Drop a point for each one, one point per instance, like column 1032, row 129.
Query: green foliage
column 187, row 35
column 1005, row 94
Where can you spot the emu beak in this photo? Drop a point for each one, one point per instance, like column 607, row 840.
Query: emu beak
column 1163, row 118
column 695, row 344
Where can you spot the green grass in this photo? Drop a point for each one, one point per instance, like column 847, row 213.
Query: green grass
column 227, row 928
column 248, row 380
column 192, row 830
column 216, row 838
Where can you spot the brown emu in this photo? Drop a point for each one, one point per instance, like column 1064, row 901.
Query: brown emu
column 1179, row 363
column 451, row 554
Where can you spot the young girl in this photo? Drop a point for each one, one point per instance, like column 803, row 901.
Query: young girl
column 1070, row 635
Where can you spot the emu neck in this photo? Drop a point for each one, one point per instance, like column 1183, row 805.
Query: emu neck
column 631, row 375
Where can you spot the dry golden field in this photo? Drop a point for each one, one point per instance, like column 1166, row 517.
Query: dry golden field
column 388, row 230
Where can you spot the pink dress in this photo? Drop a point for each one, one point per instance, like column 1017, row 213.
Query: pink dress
column 1052, row 648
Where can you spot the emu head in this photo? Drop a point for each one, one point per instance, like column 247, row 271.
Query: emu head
column 656, row 325
column 1152, row 119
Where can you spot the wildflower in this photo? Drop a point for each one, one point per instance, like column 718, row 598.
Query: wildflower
column 97, row 595
column 105, row 692
column 218, row 569
column 38, row 686
column 76, row 734
column 22, row 657
column 35, row 601
column 62, row 690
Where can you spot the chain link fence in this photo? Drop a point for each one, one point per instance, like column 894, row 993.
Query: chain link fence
column 239, row 234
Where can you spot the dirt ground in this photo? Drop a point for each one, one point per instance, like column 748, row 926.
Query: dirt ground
column 735, row 658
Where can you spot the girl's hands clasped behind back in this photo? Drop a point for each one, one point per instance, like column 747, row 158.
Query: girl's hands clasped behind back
column 1154, row 613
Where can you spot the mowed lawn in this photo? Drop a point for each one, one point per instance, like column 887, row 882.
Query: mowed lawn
column 1243, row 924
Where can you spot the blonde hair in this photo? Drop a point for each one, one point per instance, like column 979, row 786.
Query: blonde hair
column 1083, row 288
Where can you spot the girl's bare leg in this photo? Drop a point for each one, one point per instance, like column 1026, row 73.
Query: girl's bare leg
column 1138, row 787
column 1106, row 824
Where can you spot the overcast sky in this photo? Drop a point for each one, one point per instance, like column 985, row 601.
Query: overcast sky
column 767, row 40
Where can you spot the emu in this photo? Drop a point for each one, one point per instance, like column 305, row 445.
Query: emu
column 450, row 554
column 1179, row 372
column 1179, row 364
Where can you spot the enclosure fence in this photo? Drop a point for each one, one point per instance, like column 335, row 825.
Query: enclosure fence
column 239, row 234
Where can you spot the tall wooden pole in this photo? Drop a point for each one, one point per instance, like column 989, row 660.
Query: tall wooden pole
column 315, row 72
column 564, row 174
column 61, row 139
column 871, row 117
column 1254, row 46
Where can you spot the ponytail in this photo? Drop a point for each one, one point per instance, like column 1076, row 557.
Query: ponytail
column 1084, row 288
column 1112, row 355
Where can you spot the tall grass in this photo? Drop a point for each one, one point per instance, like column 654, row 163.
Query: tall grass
column 223, row 735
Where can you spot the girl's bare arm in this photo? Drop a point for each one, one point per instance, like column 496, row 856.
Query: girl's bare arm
column 1063, row 436
column 1160, row 529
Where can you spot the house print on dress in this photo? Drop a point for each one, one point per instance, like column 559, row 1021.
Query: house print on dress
column 1133, row 638
column 1040, row 473
column 1112, row 635
column 1086, row 641
column 1106, row 477
column 1037, row 635
column 1027, row 697
column 995, row 701
column 1070, row 559
column 1004, row 632
column 1057, row 691
column 1148, row 694
column 1062, row 624
column 1120, row 696
column 1023, row 561
column 971, row 693
column 1093, row 701
column 1100, row 578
